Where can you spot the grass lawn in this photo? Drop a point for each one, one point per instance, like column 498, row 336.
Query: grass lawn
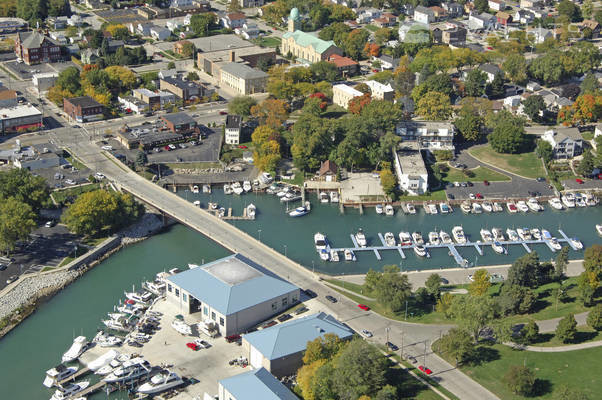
column 268, row 41
column 436, row 195
column 584, row 334
column 578, row 369
column 75, row 162
column 62, row 195
column 93, row 242
column 525, row 164
column 481, row 174
column 74, row 254
column 372, row 28
column 587, row 135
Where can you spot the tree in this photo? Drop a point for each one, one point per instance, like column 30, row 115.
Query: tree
column 516, row 299
column 192, row 76
column 391, row 288
column 266, row 141
column 520, row 380
column 594, row 318
column 524, row 271
column 480, row 283
column 496, row 87
column 322, row 348
column 568, row 9
column 388, row 181
column 534, row 106
column 562, row 261
column 433, row 285
column 20, row 184
column 564, row 392
column 324, row 71
column 587, row 283
column 474, row 313
column 241, row 105
column 469, row 123
column 592, row 260
column 475, row 83
column 587, row 9
column 544, row 151
column 141, row 158
column 590, row 83
column 200, row 23
column 68, row 79
column 586, row 165
column 305, row 377
column 445, row 304
column 507, row 136
column 357, row 103
column 383, row 35
column 458, row 344
column 388, row 392
column 434, row 106
column 17, row 221
column 515, row 67
column 354, row 43
column 529, row 332
column 271, row 112
column 481, row 5
column 566, row 330
column 548, row 68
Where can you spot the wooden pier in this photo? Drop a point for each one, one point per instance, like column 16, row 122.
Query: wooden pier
column 81, row 372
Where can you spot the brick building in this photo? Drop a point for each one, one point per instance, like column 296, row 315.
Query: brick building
column 180, row 123
column 83, row 109
column 35, row 48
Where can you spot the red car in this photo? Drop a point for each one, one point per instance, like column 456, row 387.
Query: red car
column 167, row 148
column 364, row 307
column 242, row 146
column 193, row 346
column 486, row 183
column 233, row 338
column 375, row 70
column 478, row 196
column 579, row 181
column 223, row 113
column 425, row 369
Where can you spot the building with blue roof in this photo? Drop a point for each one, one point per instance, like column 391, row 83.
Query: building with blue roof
column 280, row 348
column 234, row 292
column 254, row 385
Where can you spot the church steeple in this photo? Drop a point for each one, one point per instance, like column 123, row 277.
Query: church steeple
column 293, row 20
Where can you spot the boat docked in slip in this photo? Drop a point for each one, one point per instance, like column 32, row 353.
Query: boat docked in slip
column 524, row 233
column 79, row 346
column 389, row 210
column 498, row 234
column 197, row 203
column 334, row 197
column 498, row 248
column 155, row 287
column 568, row 200
column 290, row 196
column 322, row 246
column 591, row 200
column 434, row 238
column 69, row 390
column 181, row 326
column 298, row 212
column 129, row 370
column 599, row 229
column 432, row 208
column 141, row 298
column 405, row 239
column 246, row 186
column 547, row 236
column 237, row 188
column 160, row 383
column 487, row 206
column 251, row 210
column 512, row 209
column 576, row 243
column 349, row 255
column 103, row 360
column 534, row 204
column 458, row 234
column 497, row 207
column 411, row 209
column 227, row 189
column 466, row 207
column 421, row 251
column 221, row 212
column 379, row 209
column 417, row 238
column 535, row 233
column 486, row 235
column 206, row 188
column 512, row 235
column 361, row 238
column 334, row 255
column 444, row 208
column 390, row 239
column 195, row 189
column 555, row 203
column 445, row 238
column 212, row 206
column 522, row 206
column 324, row 197
column 476, row 208
column 58, row 374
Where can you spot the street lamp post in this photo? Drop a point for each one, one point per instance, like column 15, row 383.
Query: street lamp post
column 387, row 330
column 259, row 233
column 285, row 250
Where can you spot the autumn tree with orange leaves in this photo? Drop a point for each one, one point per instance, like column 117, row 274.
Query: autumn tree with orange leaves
column 358, row 103
column 372, row 50
column 271, row 112
column 266, row 141
column 586, row 108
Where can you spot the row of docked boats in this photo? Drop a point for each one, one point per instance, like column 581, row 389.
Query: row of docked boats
column 250, row 210
column 332, row 197
column 326, row 253
column 572, row 200
column 206, row 189
column 238, row 188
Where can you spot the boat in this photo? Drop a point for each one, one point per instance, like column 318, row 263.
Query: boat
column 405, row 239
column 128, row 371
column 181, row 327
column 197, row 203
column 511, row 207
column 290, row 196
column 131, row 308
column 536, row 233
column 246, row 186
column 120, row 325
column 568, row 200
column 237, row 188
column 195, row 189
column 68, row 391
column 283, row 192
column 58, row 374
column 444, row 208
column 324, row 255
column 104, row 340
column 273, row 188
column 547, row 236
column 466, row 207
column 142, row 298
column 80, row 344
column 498, row 248
column 522, row 206
column 251, row 210
column 324, row 198
column 434, row 238
column 458, row 234
column 524, row 233
column 160, row 383
column 487, row 206
column 498, row 234
column 486, row 235
column 599, row 229
column 103, row 360
column 420, row 251
column 390, row 239
column 580, row 200
column 576, row 243
column 534, row 204
column 349, row 255
column 389, row 210
column 155, row 287
column 361, row 238
column 591, row 200
column 432, row 208
column 555, row 203
column 212, row 206
column 512, row 235
column 227, row 189
column 417, row 238
column 298, row 212
column 411, row 209
column 206, row 188
column 334, row 197
column 379, row 209
column 476, row 208
column 334, row 255
column 445, row 238
column 322, row 246
column 221, row 212
column 497, row 207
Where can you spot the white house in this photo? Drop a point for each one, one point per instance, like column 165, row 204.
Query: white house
column 367, row 15
column 491, row 70
column 431, row 135
column 380, row 91
column 180, row 3
column 541, row 34
column 44, row 81
column 566, row 142
column 342, row 95
column 482, row 21
column 233, row 20
column 173, row 24
column 524, row 16
column 497, row 5
column 424, row 15
column 232, row 130
column 249, row 30
column 411, row 171
column 159, row 33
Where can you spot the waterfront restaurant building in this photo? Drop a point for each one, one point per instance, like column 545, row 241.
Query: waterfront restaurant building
column 234, row 292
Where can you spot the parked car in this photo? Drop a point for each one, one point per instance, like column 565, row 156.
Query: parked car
column 70, row 182
column 470, row 278
column 364, row 307
column 444, row 281
column 11, row 279
column 331, row 299
column 425, row 369
column 182, row 145
column 310, row 293
column 167, row 148
column 107, row 147
column 268, row 324
column 202, row 344
column 3, row 267
column 233, row 338
column 469, row 184
column 391, row 346
column 579, row 181
column 223, row 113
column 193, row 346
column 486, row 183
column 451, row 196
column 242, row 147
column 284, row 317
column 471, row 196
column 172, row 146
column 540, row 179
column 366, row 333
column 301, row 310
column 479, row 196
column 49, row 224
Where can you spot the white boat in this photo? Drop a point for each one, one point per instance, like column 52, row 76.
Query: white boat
column 390, row 239
column 360, row 238
column 251, row 209
column 160, row 383
column 476, row 208
column 246, row 186
column 320, row 241
column 129, row 370
column 195, row 189
column 80, row 344
column 576, row 243
column 498, row 234
column 349, row 255
column 379, row 209
column 432, row 208
column 599, row 229
column 334, row 197
column 237, row 188
column 591, row 200
column 417, row 238
column 405, row 239
column 487, row 206
column 227, row 189
column 103, row 360
column 389, row 210
column 466, row 207
column 555, row 203
column 298, row 212
column 512, row 209
column 105, row 340
column 536, row 233
column 120, row 325
column 58, row 374
column 324, row 198
column 547, row 236
column 534, row 204
column 206, row 188
column 69, row 390
column 524, row 233
column 486, row 235
column 445, row 238
column 334, row 255
column 580, row 200
column 411, row 209
column 444, row 208
column 497, row 207
column 512, row 235
column 458, row 234
column 420, row 251
column 568, row 200
column 155, row 287
column 522, row 206
column 181, row 326
column 197, row 203
column 110, row 367
column 434, row 238
column 498, row 248
column 131, row 309
column 221, row 212
column 142, row 298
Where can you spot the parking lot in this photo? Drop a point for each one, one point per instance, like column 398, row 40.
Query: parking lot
column 502, row 190
column 25, row 71
column 61, row 177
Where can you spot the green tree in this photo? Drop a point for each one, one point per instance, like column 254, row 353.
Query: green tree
column 587, row 9
column 481, row 5
column 564, row 392
column 324, row 71
column 548, row 68
column 507, row 138
column 434, row 106
column 515, row 67
column 192, row 76
column 524, row 271
column 594, row 318
column 141, row 158
column 520, row 380
column 592, row 259
column 587, row 283
column 469, row 123
column 586, row 165
column 24, row 187
column 534, row 106
column 200, row 23
column 458, row 343
column 354, row 43
column 171, row 65
column 475, row 83
column 433, row 285
column 566, row 330
column 568, row 9
column 474, row 313
column 496, row 88
column 388, row 181
column 392, row 289
column 516, row 299
column 241, row 105
column 322, row 348
column 17, row 221
column 529, row 333
column 590, row 84
column 480, row 283
column 388, row 392
column 544, row 151
column 68, row 79
column 562, row 261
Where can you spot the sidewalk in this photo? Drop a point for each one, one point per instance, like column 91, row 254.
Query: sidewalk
column 560, row 349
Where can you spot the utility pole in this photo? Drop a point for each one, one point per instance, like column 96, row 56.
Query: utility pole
column 406, row 316
column 424, row 361
column 387, row 330
column 401, row 354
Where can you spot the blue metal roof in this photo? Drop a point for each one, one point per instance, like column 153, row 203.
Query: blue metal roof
column 232, row 284
column 255, row 385
column 292, row 337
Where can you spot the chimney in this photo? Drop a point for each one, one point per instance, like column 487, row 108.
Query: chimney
column 232, row 56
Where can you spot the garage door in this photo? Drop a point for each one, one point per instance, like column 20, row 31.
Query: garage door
column 255, row 358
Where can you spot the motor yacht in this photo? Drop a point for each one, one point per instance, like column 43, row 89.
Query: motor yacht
column 444, row 208
column 141, row 298
column 246, row 186
column 334, row 197
column 534, row 204
column 298, row 212
column 411, row 209
column 129, row 370
column 591, row 200
column 181, row 326
column 390, row 239
column 576, row 243
column 432, row 208
column 580, row 200
column 498, row 248
column 511, row 207
column 290, row 196
column 324, row 198
column 599, row 229
column 322, row 246
column 389, row 210
column 417, row 238
column 434, row 238
column 466, row 207
column 405, row 239
column 486, row 235
column 445, row 238
column 568, row 200
column 379, row 209
column 458, row 234
column 195, row 189
column 512, row 235
column 524, row 233
column 160, row 383
column 547, row 236
column 420, row 251
column 251, row 210
column 535, row 233
column 105, row 340
column 487, row 206
column 156, row 288
column 497, row 207
column 80, row 344
column 555, row 203
column 120, row 325
column 361, row 238
column 273, row 188
column 498, row 234
column 522, row 206
column 131, row 309
column 206, row 188
column 237, row 188
column 476, row 208
column 113, row 365
column 69, row 390
column 334, row 255
column 103, row 360
column 58, row 374
column 349, row 255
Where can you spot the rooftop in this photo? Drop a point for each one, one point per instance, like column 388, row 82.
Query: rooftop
column 231, row 284
column 8, row 94
column 180, row 83
column 348, row 90
column 33, row 40
column 375, row 85
column 84, row 102
column 257, row 384
column 224, row 54
column 233, row 121
column 19, row 111
column 341, row 61
column 308, row 40
column 219, row 42
column 180, row 118
column 243, row 71
column 291, row 337
column 411, row 162
column 150, row 93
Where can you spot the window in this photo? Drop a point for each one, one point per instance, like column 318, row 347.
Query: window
column 221, row 321
column 169, row 288
column 212, row 315
column 177, row 292
column 294, row 299
column 184, row 297
column 284, row 301
column 205, row 311
column 274, row 306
